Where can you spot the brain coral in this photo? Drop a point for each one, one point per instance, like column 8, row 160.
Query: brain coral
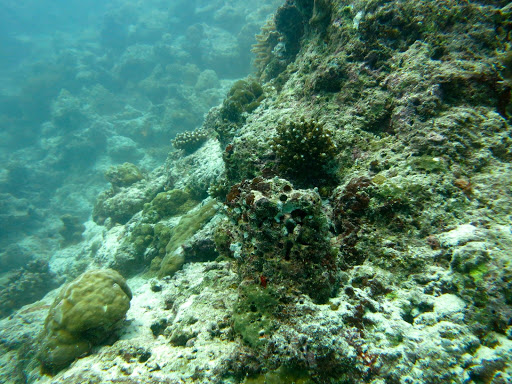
column 84, row 313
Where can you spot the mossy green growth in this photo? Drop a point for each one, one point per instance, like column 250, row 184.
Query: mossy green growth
column 254, row 314
column 189, row 224
column 395, row 340
column 162, row 236
column 478, row 273
column 84, row 313
column 123, row 175
column 171, row 263
column 167, row 204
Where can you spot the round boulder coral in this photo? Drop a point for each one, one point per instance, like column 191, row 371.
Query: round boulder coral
column 84, row 313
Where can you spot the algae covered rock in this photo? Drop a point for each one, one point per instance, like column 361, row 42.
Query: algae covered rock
column 119, row 208
column 281, row 237
column 84, row 313
column 242, row 99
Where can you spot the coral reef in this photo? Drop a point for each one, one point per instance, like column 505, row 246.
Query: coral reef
column 281, row 238
column 280, row 38
column 244, row 96
column 196, row 172
column 153, row 72
column 242, row 99
column 84, row 313
column 188, row 225
column 266, row 41
column 364, row 235
column 119, row 205
column 166, row 204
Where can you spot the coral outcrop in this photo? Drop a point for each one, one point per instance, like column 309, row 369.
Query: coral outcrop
column 72, row 229
column 84, row 313
column 123, row 175
column 281, row 238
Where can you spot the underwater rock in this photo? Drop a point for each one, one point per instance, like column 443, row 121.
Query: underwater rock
column 188, row 225
column 123, row 149
column 136, row 63
column 67, row 112
column 16, row 213
column 220, row 51
column 196, row 172
column 207, row 79
column 14, row 256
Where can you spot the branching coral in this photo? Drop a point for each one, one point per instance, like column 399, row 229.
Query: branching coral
column 265, row 44
column 190, row 141
column 305, row 152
